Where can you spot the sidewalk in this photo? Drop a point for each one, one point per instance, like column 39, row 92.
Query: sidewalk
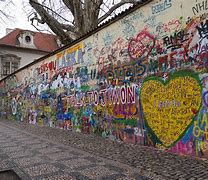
column 98, row 158
column 32, row 157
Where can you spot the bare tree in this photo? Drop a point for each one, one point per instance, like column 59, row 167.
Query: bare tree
column 86, row 15
column 4, row 7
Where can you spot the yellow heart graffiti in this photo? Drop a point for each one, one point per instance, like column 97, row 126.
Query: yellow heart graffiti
column 169, row 109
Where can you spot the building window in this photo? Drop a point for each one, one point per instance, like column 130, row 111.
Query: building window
column 6, row 68
column 9, row 64
column 27, row 39
column 14, row 66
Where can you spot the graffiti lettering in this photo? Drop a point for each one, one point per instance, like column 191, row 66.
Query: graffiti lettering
column 203, row 29
column 176, row 41
column 116, row 95
column 126, row 73
column 154, row 92
column 47, row 66
column 205, row 98
column 70, row 57
column 161, row 7
column 200, row 6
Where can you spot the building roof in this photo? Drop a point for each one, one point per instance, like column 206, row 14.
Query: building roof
column 42, row 41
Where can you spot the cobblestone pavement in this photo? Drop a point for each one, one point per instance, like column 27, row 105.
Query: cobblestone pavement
column 58, row 154
column 32, row 157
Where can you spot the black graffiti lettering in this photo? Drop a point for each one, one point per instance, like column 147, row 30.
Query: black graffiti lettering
column 200, row 7
column 140, row 69
column 175, row 41
column 203, row 29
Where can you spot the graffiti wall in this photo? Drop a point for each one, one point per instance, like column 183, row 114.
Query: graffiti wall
column 143, row 80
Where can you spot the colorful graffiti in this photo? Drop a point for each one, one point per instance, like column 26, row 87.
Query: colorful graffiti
column 141, row 80
column 169, row 108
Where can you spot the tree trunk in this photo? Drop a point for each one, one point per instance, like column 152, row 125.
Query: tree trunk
column 54, row 25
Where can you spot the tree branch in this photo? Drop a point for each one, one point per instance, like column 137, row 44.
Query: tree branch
column 68, row 27
column 116, row 6
column 69, row 4
column 4, row 11
column 41, row 21
column 50, row 10
column 54, row 25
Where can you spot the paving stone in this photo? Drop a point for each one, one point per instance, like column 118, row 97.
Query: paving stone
column 38, row 146
column 13, row 149
column 41, row 170
column 97, row 172
column 48, row 150
column 31, row 161
column 74, row 163
column 114, row 168
column 72, row 159
column 78, row 176
column 12, row 144
column 18, row 154
column 61, row 176
column 6, row 164
column 61, row 156
column 3, row 156
column 31, row 142
column 84, row 167
column 115, row 177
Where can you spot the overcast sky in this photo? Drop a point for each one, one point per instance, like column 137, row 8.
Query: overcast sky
column 19, row 19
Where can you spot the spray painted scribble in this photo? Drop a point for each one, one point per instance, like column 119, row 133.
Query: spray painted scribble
column 161, row 6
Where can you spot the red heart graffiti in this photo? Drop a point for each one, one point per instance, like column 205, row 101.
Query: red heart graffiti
column 141, row 46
